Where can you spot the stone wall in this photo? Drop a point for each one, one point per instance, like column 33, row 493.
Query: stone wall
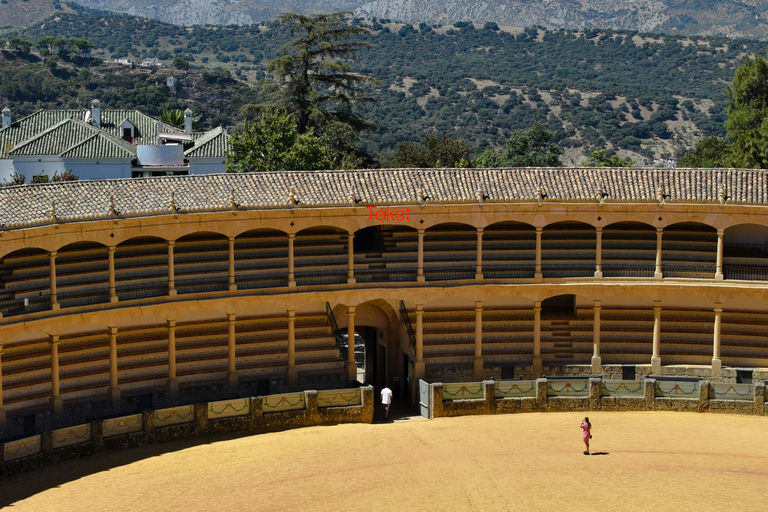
column 157, row 426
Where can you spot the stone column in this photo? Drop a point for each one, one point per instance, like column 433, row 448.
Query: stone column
column 54, row 299
column 231, row 352
column 293, row 374
column 656, row 358
column 291, row 277
column 479, row 264
column 419, row 367
column 599, row 253
column 719, row 264
column 537, row 367
column 649, row 393
column 657, row 273
column 114, row 388
column 420, row 261
column 57, row 403
column 173, row 382
column 171, row 269
column 538, row 274
column 479, row 373
column 2, row 407
column 597, row 361
column 112, row 293
column 232, row 283
column 351, row 258
column 351, row 366
column 759, row 399
column 595, row 392
column 716, row 365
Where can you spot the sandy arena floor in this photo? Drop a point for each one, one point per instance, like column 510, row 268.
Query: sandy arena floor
column 640, row 461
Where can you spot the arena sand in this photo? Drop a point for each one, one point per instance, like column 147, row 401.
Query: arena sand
column 640, row 461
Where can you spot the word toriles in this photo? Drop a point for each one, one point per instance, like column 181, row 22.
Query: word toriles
column 387, row 214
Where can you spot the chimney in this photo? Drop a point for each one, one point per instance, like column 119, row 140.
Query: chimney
column 6, row 117
column 188, row 121
column 96, row 113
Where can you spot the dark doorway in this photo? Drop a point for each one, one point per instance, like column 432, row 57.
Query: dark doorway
column 405, row 383
column 369, row 240
column 559, row 307
column 628, row 372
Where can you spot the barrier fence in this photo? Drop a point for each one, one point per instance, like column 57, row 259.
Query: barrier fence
column 257, row 414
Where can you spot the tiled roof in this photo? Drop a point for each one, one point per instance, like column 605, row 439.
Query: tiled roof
column 32, row 204
column 102, row 145
column 213, row 144
column 54, row 140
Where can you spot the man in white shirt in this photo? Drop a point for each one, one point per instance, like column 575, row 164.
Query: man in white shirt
column 386, row 400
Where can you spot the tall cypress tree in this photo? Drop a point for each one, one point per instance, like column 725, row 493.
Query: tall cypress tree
column 747, row 122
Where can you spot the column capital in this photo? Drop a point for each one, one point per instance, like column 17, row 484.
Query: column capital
column 420, row 231
column 657, row 305
column 480, row 230
column 350, row 234
column 113, row 331
column 53, row 339
column 720, row 232
column 598, row 229
column 598, row 305
column 231, row 317
column 659, row 231
column 231, row 240
column 718, row 307
column 171, row 323
column 478, row 305
column 537, row 305
column 111, row 248
column 53, row 254
column 351, row 310
column 291, row 236
column 539, row 229
column 419, row 309
column 171, row 243
column 291, row 313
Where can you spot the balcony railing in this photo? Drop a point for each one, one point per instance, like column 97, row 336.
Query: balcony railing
column 314, row 277
column 689, row 271
column 83, row 297
column 202, row 284
column 628, row 269
column 22, row 306
column 386, row 275
column 132, row 291
column 266, row 280
column 746, row 273
column 449, row 273
column 549, row 270
column 510, row 271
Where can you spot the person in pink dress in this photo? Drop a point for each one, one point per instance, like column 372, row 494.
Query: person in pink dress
column 586, row 426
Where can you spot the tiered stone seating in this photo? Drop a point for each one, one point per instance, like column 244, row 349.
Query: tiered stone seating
column 744, row 339
column 686, row 336
column 320, row 256
column 201, row 258
column 508, row 244
column 260, row 252
column 26, row 376
column 84, row 366
column 141, row 262
column 142, row 359
column 626, row 335
column 508, row 336
column 25, row 273
column 629, row 250
column 689, row 250
column 82, row 274
column 568, row 250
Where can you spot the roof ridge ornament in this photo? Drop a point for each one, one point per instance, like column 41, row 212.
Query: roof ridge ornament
column 232, row 203
column 54, row 217
column 292, row 197
column 722, row 198
column 661, row 197
column 540, row 194
column 601, row 195
column 112, row 211
column 422, row 197
column 172, row 207
column 480, row 194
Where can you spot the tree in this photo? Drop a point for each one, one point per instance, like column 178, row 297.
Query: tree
column 598, row 159
column 709, row 152
column 443, row 151
column 173, row 117
column 747, row 122
column 19, row 45
column 179, row 63
column 316, row 81
column 525, row 148
column 273, row 144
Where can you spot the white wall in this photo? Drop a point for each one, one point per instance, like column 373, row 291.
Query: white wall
column 34, row 165
column 6, row 169
column 207, row 165
column 105, row 169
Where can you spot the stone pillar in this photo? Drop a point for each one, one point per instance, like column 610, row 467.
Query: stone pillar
column 716, row 365
column 2, row 407
column 173, row 382
column 231, row 352
column 232, row 283
column 537, row 368
column 541, row 395
column 538, row 274
column 597, row 361
column 479, row 264
column 171, row 269
column 479, row 373
column 114, row 388
column 57, row 403
column 54, row 298
column 420, row 260
column 291, row 277
column 351, row 366
column 704, row 396
column 657, row 273
column 650, row 394
column 759, row 399
column 599, row 253
column 719, row 264
column 655, row 357
column 595, row 390
column 112, row 293
column 293, row 374
column 419, row 367
column 351, row 258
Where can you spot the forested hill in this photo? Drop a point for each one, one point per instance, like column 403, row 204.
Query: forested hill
column 646, row 96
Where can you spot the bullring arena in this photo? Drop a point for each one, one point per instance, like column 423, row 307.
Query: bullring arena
column 145, row 313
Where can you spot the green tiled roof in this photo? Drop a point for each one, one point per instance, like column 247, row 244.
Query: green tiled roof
column 101, row 146
column 55, row 139
column 213, row 144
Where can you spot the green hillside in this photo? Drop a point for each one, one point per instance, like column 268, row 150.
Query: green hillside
column 646, row 96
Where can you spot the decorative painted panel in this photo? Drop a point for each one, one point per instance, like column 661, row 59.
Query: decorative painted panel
column 22, row 448
column 229, row 408
column 72, row 435
column 284, row 402
column 671, row 389
column 123, row 425
column 174, row 416
column 339, row 397
column 515, row 389
column 622, row 388
column 464, row 391
column 568, row 388
column 721, row 391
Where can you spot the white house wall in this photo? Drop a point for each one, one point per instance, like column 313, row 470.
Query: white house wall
column 34, row 166
column 6, row 169
column 207, row 165
column 104, row 169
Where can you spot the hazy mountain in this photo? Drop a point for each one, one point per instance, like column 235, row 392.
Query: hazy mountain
column 734, row 18
column 14, row 13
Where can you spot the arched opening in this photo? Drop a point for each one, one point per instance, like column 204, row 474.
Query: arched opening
column 450, row 252
column 82, row 274
column 571, row 242
column 629, row 250
column 261, row 259
column 25, row 282
column 386, row 253
column 509, row 251
column 559, row 318
column 201, row 263
column 141, row 268
column 745, row 252
column 320, row 256
column 689, row 250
